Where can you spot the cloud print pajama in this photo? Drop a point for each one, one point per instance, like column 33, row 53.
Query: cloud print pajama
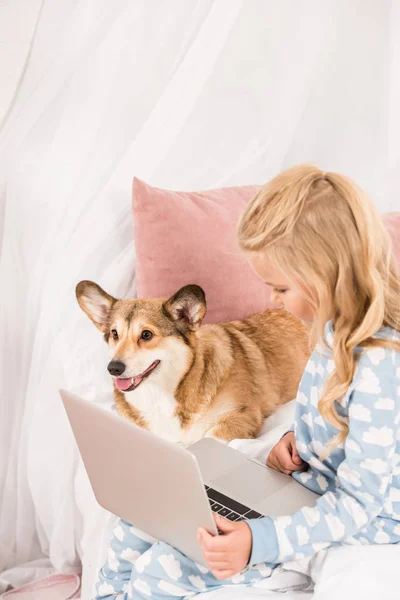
column 359, row 484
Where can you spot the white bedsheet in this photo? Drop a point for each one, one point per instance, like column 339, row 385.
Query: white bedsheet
column 340, row 573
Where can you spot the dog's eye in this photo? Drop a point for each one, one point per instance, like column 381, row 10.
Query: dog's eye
column 147, row 335
column 114, row 334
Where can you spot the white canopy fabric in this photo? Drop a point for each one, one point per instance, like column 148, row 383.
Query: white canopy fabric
column 185, row 95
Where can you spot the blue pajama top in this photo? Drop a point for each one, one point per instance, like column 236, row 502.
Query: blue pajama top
column 359, row 482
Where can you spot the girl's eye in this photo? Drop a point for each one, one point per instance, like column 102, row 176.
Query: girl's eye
column 280, row 291
column 147, row 335
column 114, row 334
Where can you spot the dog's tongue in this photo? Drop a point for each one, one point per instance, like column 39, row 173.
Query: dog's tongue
column 124, row 384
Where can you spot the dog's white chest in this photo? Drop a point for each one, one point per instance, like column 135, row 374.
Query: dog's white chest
column 157, row 407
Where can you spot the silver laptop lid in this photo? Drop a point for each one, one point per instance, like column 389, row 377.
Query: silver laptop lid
column 145, row 480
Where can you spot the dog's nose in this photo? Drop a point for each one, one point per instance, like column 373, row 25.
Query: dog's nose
column 116, row 367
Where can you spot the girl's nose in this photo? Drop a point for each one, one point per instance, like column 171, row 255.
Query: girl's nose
column 274, row 298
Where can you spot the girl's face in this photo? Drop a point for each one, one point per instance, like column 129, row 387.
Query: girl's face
column 283, row 293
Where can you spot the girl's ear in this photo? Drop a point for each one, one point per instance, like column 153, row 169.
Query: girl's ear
column 95, row 302
column 187, row 307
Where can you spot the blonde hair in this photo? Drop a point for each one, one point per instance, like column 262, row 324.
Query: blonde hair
column 326, row 236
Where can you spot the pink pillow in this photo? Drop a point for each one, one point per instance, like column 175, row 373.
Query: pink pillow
column 190, row 237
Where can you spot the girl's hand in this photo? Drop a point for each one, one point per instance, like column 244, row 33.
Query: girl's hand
column 226, row 554
column 284, row 456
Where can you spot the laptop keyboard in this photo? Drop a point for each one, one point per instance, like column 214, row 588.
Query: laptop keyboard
column 228, row 508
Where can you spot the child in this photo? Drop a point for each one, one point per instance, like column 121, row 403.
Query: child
column 319, row 242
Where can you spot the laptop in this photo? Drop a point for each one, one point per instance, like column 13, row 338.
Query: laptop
column 169, row 491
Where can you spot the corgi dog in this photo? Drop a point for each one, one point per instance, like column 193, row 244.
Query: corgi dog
column 183, row 380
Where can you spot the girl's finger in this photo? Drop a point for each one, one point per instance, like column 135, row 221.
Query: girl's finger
column 219, row 566
column 282, row 468
column 286, row 460
column 204, row 537
column 271, row 462
column 216, row 556
column 279, row 467
column 299, row 467
column 203, row 533
column 296, row 458
column 213, row 543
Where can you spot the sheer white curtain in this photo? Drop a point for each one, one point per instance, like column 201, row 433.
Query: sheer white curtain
column 185, row 95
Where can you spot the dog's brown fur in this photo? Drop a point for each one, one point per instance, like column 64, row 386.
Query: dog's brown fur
column 229, row 376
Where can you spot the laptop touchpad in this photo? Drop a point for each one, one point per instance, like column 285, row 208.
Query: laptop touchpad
column 252, row 482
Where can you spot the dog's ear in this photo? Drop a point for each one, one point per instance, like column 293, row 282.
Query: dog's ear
column 187, row 307
column 96, row 303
